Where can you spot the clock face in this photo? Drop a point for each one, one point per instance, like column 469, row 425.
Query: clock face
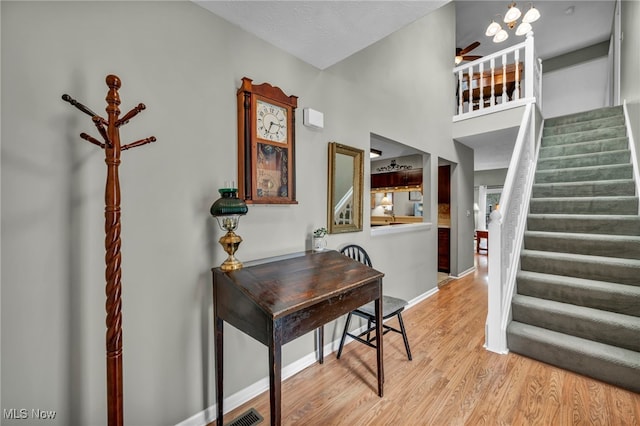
column 271, row 122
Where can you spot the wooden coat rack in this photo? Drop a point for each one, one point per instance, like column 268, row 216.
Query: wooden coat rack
column 110, row 131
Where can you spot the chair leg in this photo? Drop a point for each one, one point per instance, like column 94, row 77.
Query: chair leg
column 404, row 336
column 344, row 335
column 369, row 328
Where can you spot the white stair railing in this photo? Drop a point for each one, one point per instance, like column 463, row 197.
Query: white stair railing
column 343, row 213
column 632, row 149
column 505, row 79
column 506, row 230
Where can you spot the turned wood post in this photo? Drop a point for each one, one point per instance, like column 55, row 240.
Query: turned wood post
column 112, row 241
column 112, row 244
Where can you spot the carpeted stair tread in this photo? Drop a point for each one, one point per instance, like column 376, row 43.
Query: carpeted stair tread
column 584, row 136
column 595, row 123
column 623, row 246
column 616, row 187
column 609, row 363
column 590, row 147
column 601, row 326
column 593, row 224
column 584, row 160
column 599, row 268
column 577, row 301
column 613, row 297
column 581, row 174
column 579, row 117
column 585, row 205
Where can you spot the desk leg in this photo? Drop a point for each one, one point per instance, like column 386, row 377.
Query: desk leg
column 379, row 335
column 275, row 377
column 321, row 344
column 219, row 376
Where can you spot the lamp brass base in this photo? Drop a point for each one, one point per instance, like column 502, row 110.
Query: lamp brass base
column 230, row 242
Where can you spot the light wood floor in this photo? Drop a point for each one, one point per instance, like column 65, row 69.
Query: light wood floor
column 451, row 380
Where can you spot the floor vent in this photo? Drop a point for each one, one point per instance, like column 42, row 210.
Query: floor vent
column 249, row 418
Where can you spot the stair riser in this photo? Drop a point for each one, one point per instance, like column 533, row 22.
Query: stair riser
column 621, row 206
column 600, row 271
column 617, row 120
column 582, row 117
column 611, row 248
column 584, row 148
column 575, row 359
column 585, row 160
column 589, row 135
column 631, row 226
column 608, row 299
column 608, row 332
column 585, row 174
column 586, row 189
column 578, row 289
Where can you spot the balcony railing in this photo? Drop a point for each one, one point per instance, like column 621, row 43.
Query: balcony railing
column 509, row 78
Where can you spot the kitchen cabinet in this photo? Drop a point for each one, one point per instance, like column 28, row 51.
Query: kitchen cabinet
column 400, row 179
column 444, row 247
column 444, row 184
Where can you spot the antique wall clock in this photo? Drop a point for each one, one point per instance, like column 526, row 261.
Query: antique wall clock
column 266, row 144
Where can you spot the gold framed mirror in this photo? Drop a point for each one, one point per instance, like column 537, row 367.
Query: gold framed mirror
column 345, row 188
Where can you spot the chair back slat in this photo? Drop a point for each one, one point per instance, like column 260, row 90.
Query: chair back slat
column 356, row 252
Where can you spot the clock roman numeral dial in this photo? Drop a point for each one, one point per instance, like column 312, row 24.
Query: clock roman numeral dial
column 271, row 122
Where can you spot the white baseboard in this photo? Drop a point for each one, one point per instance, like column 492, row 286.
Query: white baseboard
column 232, row 402
column 467, row 272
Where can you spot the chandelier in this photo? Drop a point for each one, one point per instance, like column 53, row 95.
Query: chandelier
column 499, row 35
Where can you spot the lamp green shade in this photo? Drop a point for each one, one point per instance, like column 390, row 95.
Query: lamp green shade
column 228, row 204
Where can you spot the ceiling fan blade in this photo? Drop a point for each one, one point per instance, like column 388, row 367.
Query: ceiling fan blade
column 469, row 48
column 471, row 57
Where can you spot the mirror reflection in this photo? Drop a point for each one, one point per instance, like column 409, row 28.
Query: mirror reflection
column 397, row 183
column 344, row 204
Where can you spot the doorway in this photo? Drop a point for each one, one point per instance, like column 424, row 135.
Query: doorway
column 444, row 220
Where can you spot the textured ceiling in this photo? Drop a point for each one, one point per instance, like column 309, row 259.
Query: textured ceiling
column 321, row 33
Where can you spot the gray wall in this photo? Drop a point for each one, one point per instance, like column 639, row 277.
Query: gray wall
column 494, row 177
column 630, row 69
column 185, row 64
column 580, row 87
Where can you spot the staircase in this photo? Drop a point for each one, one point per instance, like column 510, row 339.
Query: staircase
column 578, row 292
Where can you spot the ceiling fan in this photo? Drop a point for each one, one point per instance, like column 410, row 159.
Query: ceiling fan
column 461, row 54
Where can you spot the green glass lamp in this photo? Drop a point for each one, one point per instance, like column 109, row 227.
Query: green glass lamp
column 227, row 210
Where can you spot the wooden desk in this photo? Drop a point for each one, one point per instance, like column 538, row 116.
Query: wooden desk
column 276, row 301
column 503, row 80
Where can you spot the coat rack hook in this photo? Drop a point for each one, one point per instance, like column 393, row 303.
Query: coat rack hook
column 78, row 105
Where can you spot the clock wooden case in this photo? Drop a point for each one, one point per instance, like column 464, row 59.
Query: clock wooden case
column 266, row 144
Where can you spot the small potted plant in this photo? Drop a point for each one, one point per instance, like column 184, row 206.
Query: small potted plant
column 319, row 242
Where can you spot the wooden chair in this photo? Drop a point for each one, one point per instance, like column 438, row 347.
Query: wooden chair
column 391, row 306
column 482, row 235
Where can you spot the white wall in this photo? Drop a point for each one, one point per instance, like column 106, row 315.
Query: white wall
column 185, row 64
column 630, row 70
column 577, row 88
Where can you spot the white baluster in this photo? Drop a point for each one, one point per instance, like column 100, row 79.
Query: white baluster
column 493, row 81
column 470, row 84
column 516, row 60
column 504, row 77
column 481, row 86
column 460, row 110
